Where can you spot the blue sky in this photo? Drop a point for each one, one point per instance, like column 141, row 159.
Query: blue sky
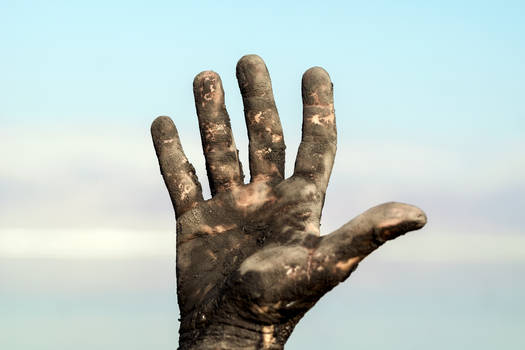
column 428, row 98
column 435, row 67
column 430, row 110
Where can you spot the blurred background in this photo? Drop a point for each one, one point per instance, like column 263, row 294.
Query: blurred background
column 430, row 111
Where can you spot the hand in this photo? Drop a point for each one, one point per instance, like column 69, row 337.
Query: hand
column 250, row 260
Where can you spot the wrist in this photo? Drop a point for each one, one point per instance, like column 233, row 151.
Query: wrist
column 227, row 336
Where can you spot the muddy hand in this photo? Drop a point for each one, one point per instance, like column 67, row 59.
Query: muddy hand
column 251, row 260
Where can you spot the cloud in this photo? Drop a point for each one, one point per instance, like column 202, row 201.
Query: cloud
column 81, row 244
column 87, row 176
column 443, row 167
column 421, row 246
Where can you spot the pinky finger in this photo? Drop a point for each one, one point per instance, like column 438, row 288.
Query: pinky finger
column 179, row 175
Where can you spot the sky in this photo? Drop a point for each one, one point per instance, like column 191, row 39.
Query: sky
column 430, row 111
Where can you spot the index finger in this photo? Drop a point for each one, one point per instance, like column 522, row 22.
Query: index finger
column 316, row 154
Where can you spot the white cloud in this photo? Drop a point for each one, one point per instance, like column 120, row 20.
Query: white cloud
column 440, row 167
column 450, row 247
column 81, row 244
column 114, row 244
column 109, row 177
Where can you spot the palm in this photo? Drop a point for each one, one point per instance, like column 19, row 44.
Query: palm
column 252, row 257
column 248, row 222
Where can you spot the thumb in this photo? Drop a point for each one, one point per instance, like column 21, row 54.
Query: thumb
column 348, row 245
